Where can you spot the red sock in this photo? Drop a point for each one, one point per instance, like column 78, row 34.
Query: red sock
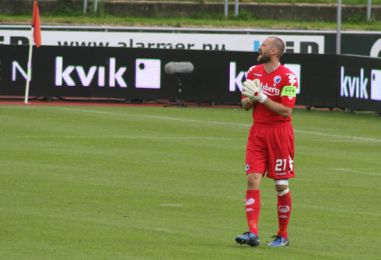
column 253, row 207
column 284, row 212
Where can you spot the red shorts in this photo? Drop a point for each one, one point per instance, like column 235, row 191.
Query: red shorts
column 271, row 150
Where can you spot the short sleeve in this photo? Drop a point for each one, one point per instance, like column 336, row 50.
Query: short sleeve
column 289, row 89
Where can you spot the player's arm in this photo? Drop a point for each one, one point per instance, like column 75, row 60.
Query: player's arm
column 253, row 91
column 278, row 108
column 284, row 108
column 247, row 103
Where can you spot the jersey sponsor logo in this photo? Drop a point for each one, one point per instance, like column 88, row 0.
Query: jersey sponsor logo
column 257, row 74
column 270, row 91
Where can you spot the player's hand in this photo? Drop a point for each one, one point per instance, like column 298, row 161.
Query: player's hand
column 252, row 89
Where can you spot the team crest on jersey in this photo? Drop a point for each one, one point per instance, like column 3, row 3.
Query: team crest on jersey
column 277, row 79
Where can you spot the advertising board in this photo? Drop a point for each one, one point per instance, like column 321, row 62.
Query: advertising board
column 297, row 41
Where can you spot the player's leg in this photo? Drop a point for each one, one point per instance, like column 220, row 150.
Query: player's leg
column 252, row 208
column 253, row 201
column 284, row 212
column 281, row 168
column 255, row 168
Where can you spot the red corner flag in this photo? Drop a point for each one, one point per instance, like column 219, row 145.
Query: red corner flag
column 36, row 24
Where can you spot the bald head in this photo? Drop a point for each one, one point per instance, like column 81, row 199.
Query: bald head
column 271, row 49
column 278, row 44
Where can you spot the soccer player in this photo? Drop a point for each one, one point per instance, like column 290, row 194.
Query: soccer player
column 270, row 91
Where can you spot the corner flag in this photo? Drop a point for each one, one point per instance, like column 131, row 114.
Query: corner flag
column 36, row 35
column 36, row 24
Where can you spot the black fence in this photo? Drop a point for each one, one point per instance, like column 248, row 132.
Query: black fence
column 138, row 74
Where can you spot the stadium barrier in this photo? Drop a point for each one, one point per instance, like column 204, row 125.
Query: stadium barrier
column 366, row 43
column 138, row 74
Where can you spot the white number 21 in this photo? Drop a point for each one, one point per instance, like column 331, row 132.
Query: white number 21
column 280, row 165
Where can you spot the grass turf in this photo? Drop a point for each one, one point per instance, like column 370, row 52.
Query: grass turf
column 168, row 183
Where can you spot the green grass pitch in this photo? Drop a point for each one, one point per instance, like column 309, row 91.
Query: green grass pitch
column 168, row 183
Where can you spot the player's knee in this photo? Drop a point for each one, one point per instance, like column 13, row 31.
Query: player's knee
column 254, row 181
column 281, row 187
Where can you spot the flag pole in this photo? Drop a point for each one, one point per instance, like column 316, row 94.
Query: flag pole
column 29, row 70
column 35, row 38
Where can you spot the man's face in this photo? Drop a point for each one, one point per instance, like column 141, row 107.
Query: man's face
column 264, row 51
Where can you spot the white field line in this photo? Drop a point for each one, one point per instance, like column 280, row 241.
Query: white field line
column 351, row 138
column 347, row 170
column 164, row 118
column 133, row 137
column 171, row 205
column 348, row 138
column 335, row 209
column 165, row 230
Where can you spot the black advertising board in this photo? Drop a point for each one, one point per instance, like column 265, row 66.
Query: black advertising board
column 317, row 79
column 115, row 73
column 359, row 83
column 13, row 64
column 138, row 74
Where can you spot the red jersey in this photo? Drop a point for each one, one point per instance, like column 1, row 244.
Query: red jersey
column 280, row 86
